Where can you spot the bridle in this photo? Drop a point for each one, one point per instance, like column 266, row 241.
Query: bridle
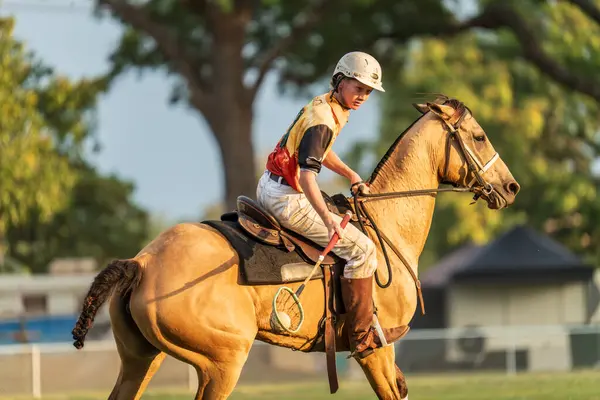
column 477, row 184
column 473, row 163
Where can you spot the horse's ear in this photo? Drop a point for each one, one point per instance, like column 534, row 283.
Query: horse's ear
column 443, row 111
column 421, row 107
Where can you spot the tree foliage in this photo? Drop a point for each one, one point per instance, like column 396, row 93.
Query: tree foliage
column 44, row 119
column 101, row 221
column 221, row 51
column 546, row 132
column 52, row 203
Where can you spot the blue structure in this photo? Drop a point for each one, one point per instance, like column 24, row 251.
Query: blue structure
column 41, row 329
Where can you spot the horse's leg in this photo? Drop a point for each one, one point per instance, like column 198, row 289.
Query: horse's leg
column 214, row 346
column 139, row 359
column 134, row 376
column 221, row 376
column 383, row 374
column 218, row 369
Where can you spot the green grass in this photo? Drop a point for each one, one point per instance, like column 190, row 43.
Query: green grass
column 550, row 386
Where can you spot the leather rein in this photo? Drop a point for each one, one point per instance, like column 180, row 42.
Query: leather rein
column 482, row 187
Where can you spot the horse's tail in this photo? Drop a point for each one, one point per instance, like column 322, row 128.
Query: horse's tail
column 122, row 276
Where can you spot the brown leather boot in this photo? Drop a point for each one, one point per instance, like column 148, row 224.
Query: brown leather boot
column 358, row 299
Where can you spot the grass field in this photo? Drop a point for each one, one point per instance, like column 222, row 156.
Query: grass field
column 559, row 386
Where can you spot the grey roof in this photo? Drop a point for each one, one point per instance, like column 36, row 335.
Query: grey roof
column 519, row 252
column 440, row 274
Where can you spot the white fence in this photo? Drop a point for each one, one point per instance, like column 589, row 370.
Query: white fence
column 508, row 349
column 59, row 368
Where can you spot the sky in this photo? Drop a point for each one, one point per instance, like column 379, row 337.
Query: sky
column 167, row 152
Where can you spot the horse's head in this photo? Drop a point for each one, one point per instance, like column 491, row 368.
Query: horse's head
column 470, row 159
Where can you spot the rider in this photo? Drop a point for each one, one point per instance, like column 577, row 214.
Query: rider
column 289, row 189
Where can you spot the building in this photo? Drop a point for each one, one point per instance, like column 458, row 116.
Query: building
column 521, row 281
column 44, row 308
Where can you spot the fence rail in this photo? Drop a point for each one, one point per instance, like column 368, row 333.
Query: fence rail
column 36, row 369
column 509, row 349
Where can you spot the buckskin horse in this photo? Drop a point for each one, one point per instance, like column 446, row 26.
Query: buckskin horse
column 189, row 292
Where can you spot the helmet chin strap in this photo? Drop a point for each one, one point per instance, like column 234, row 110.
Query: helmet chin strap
column 338, row 97
column 339, row 100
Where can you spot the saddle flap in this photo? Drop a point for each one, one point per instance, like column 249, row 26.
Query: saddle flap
column 310, row 250
column 250, row 208
column 297, row 272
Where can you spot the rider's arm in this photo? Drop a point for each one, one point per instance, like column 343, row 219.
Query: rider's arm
column 314, row 142
column 308, row 183
column 310, row 187
column 334, row 163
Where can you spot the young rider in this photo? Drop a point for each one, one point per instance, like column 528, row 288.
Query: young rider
column 289, row 190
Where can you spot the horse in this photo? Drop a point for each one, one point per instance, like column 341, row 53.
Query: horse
column 180, row 295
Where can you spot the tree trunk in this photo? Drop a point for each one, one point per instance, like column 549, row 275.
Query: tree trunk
column 229, row 106
column 231, row 122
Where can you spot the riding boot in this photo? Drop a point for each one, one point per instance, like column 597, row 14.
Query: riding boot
column 358, row 300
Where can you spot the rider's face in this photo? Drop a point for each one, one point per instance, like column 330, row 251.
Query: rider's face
column 353, row 93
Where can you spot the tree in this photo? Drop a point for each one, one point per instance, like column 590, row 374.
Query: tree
column 545, row 131
column 101, row 221
column 222, row 50
column 44, row 120
column 52, row 203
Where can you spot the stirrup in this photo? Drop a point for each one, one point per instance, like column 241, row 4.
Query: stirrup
column 379, row 331
column 382, row 339
column 363, row 354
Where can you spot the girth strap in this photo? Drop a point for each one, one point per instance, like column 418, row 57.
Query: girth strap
column 330, row 348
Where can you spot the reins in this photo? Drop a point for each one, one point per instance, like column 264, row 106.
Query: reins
column 364, row 218
column 363, row 215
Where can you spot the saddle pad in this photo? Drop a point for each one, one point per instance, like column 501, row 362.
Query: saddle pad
column 263, row 264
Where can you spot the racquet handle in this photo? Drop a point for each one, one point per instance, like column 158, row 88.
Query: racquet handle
column 335, row 236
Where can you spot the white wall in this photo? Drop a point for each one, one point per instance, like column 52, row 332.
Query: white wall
column 64, row 294
column 503, row 305
column 521, row 305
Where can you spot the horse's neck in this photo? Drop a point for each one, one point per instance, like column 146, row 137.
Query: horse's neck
column 412, row 165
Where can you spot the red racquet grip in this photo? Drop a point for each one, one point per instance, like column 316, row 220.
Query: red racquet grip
column 335, row 236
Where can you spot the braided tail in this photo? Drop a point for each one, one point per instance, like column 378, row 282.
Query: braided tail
column 120, row 276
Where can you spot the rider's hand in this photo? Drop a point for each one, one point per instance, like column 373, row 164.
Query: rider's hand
column 332, row 227
column 361, row 187
column 355, row 178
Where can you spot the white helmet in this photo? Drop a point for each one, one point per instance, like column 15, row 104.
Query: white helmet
column 362, row 67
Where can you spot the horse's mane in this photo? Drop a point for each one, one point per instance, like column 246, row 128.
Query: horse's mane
column 458, row 105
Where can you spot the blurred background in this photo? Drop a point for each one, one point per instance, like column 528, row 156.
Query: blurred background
column 119, row 119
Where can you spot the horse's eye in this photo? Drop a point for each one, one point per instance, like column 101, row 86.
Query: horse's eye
column 480, row 138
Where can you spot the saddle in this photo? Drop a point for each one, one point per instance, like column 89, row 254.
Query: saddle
column 288, row 257
column 264, row 227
